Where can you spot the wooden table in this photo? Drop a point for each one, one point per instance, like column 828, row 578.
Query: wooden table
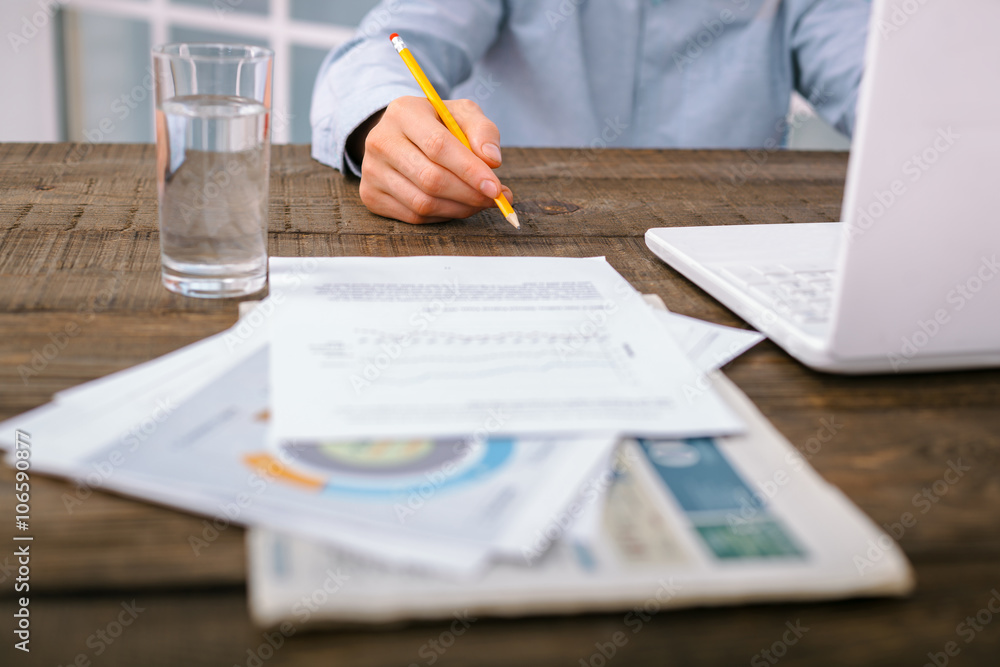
column 78, row 235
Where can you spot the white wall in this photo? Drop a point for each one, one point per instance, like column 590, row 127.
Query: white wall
column 29, row 103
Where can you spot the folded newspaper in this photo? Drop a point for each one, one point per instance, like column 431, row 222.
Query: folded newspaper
column 706, row 521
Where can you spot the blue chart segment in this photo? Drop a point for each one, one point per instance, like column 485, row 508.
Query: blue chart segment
column 730, row 518
column 378, row 469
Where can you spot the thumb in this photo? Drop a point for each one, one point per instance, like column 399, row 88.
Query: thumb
column 482, row 133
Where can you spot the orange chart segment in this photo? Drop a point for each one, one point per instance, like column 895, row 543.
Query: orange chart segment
column 268, row 466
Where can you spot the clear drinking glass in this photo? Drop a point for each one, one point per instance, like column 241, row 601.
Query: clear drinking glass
column 213, row 153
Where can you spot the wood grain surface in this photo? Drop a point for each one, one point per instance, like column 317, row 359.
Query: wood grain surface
column 79, row 245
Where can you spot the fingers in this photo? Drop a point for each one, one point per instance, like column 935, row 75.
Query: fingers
column 437, row 180
column 393, row 195
column 427, row 190
column 381, row 203
column 442, row 149
column 424, row 205
column 482, row 133
column 415, row 170
column 401, row 200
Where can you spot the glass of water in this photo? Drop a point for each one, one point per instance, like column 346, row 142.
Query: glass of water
column 213, row 152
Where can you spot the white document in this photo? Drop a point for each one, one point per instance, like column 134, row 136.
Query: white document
column 704, row 521
column 709, row 346
column 437, row 346
column 206, row 359
column 126, row 407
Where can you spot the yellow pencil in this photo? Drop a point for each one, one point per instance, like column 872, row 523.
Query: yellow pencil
column 445, row 115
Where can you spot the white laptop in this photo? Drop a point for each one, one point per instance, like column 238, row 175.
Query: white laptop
column 910, row 280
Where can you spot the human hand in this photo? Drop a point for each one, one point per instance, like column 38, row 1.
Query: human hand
column 413, row 169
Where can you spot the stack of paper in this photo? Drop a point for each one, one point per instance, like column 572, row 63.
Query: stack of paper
column 705, row 521
column 487, row 420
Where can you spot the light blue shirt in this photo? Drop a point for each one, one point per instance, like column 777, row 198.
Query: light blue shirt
column 596, row 73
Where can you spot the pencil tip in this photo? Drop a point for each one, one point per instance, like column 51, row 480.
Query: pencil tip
column 512, row 219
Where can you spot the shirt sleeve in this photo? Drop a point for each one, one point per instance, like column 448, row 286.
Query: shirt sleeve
column 366, row 74
column 828, row 52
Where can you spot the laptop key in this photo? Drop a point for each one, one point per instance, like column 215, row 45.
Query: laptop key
column 805, row 296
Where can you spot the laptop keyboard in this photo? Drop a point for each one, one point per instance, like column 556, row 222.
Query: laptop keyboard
column 802, row 292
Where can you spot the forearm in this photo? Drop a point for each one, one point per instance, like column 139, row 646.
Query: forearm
column 365, row 75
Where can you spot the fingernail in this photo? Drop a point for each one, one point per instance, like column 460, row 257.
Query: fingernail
column 492, row 151
column 490, row 189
